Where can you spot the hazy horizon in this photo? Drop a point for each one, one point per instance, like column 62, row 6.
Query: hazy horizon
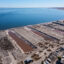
column 31, row 3
column 31, row 7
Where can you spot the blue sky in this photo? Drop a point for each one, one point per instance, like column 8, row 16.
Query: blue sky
column 31, row 3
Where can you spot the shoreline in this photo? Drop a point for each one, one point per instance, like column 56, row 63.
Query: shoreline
column 31, row 25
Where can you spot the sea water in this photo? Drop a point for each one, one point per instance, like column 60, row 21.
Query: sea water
column 18, row 17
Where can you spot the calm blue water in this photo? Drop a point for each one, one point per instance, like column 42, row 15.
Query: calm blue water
column 16, row 17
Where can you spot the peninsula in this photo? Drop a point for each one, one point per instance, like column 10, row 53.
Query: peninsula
column 60, row 8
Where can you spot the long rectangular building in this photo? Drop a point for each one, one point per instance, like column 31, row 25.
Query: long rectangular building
column 22, row 43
